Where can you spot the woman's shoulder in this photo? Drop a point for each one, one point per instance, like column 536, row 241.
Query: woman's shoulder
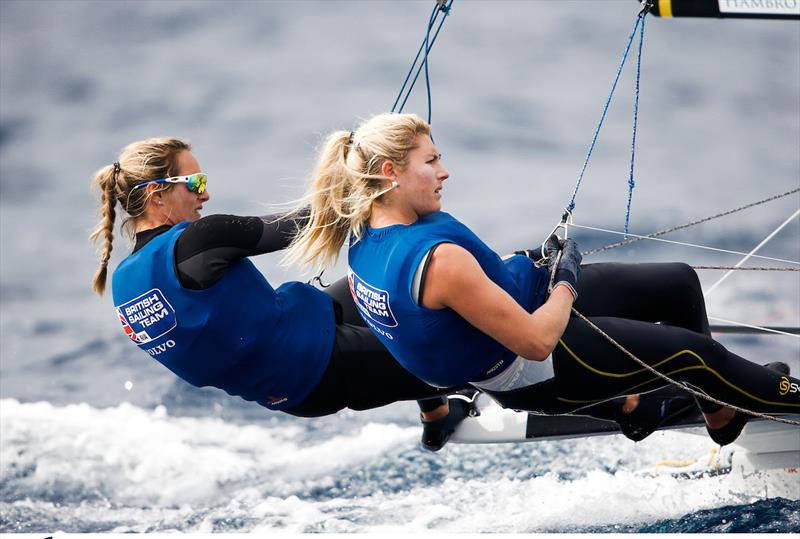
column 443, row 223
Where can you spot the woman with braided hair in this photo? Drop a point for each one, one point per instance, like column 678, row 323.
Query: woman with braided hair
column 189, row 297
column 453, row 312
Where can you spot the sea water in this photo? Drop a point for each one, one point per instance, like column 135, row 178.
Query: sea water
column 96, row 436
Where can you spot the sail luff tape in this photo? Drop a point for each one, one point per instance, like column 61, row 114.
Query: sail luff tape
column 665, row 8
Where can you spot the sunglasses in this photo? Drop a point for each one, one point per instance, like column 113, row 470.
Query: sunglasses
column 196, row 183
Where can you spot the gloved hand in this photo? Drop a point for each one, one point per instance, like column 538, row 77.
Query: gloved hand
column 568, row 270
column 551, row 248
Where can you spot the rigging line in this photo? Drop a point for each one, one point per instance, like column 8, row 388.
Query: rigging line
column 752, row 253
column 631, row 182
column 717, row 249
column 571, row 204
column 760, row 328
column 737, row 268
column 428, row 79
column 427, row 46
column 684, row 387
column 738, row 329
column 440, row 7
column 692, row 223
column 434, row 14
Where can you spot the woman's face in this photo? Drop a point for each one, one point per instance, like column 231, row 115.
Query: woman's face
column 178, row 204
column 420, row 183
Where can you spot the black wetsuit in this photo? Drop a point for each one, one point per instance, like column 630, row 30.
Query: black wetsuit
column 625, row 300
column 361, row 374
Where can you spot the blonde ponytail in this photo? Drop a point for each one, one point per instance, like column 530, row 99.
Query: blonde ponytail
column 347, row 181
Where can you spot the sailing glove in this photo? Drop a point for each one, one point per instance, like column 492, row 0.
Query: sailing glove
column 568, row 270
column 551, row 248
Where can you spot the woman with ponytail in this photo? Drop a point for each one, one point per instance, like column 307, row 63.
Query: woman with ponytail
column 189, row 297
column 453, row 312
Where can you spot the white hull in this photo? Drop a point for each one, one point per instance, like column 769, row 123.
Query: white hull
column 763, row 445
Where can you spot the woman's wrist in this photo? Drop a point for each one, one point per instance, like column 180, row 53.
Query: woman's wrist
column 569, row 287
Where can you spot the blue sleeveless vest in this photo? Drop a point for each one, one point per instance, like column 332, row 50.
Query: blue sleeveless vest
column 241, row 335
column 437, row 346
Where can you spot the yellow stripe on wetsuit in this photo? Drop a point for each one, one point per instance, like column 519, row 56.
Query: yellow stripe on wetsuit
column 703, row 365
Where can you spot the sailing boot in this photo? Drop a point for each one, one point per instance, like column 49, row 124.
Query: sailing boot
column 436, row 432
column 727, row 434
column 654, row 412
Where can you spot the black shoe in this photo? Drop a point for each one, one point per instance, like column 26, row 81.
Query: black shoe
column 435, row 433
column 728, row 433
column 652, row 413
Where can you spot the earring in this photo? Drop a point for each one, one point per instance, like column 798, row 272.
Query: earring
column 394, row 183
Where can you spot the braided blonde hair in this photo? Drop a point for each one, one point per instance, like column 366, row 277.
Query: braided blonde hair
column 346, row 182
column 140, row 161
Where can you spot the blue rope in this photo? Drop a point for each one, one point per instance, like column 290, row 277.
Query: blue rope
column 631, row 182
column 571, row 204
column 427, row 74
column 434, row 15
column 427, row 45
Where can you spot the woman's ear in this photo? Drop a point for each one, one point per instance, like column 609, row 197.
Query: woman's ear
column 155, row 195
column 388, row 170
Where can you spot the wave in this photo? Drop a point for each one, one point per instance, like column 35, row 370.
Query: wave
column 130, row 469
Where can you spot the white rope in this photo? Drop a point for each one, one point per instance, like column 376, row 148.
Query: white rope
column 752, row 253
column 761, row 328
column 794, row 262
column 737, row 268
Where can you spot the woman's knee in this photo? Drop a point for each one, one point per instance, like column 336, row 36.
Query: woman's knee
column 684, row 273
column 684, row 284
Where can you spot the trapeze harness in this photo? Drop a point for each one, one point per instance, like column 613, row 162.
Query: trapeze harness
column 189, row 297
column 655, row 310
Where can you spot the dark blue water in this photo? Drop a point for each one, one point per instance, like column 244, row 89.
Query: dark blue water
column 95, row 436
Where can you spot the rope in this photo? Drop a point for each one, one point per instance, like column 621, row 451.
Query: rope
column 752, row 252
column 760, row 328
column 639, row 18
column 676, row 383
column 794, row 262
column 631, row 182
column 441, row 7
column 692, row 223
column 739, row 268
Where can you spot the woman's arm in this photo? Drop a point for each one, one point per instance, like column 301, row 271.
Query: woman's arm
column 207, row 247
column 455, row 279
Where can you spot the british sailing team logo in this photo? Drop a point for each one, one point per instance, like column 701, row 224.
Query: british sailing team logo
column 372, row 302
column 147, row 317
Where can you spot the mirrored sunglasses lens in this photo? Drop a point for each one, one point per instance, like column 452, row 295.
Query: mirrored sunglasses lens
column 197, row 183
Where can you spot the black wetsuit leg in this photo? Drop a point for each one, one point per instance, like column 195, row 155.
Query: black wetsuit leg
column 663, row 292
column 624, row 300
column 362, row 374
column 666, row 292
column 589, row 369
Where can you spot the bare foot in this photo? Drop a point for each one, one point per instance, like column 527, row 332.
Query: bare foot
column 631, row 402
column 720, row 418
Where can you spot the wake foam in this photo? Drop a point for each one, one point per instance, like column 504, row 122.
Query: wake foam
column 129, row 469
